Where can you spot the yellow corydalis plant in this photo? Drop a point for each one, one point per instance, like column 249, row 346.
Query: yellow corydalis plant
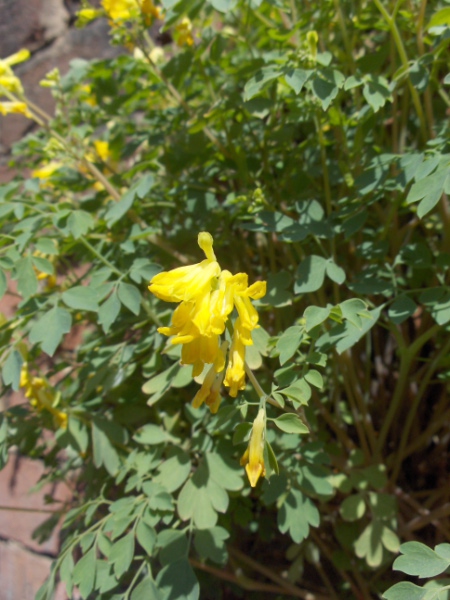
column 207, row 297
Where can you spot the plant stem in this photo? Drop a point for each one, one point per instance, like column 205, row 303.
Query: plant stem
column 390, row 21
column 407, row 357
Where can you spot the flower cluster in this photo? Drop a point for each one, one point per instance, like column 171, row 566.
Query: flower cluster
column 207, row 296
column 42, row 396
column 183, row 32
column 11, row 86
column 120, row 10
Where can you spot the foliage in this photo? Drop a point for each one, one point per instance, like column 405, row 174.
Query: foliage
column 311, row 140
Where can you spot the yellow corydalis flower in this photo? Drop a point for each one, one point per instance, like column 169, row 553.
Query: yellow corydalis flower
column 42, row 396
column 8, row 80
column 253, row 458
column 183, row 32
column 122, row 10
column 207, row 296
column 15, row 107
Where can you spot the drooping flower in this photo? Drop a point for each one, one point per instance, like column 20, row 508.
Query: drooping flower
column 207, row 297
column 209, row 393
column 42, row 396
column 15, row 107
column 253, row 458
column 8, row 80
column 183, row 32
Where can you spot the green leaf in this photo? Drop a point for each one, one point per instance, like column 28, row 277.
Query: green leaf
column 79, row 223
column 299, row 392
column 223, row 6
column 401, row 309
column 353, row 508
column 84, row 573
column 177, row 580
column 173, row 546
column 144, row 185
column 291, row 423
column 420, row 560
column 441, row 17
column 103, row 450
column 369, row 546
column 3, row 284
column 443, row 550
column 352, row 310
column 310, row 274
column 315, row 315
column 209, row 544
column 270, row 461
column 405, row 591
column 49, row 330
column 27, row 282
column 81, row 297
column 12, row 368
column 314, row 378
column 255, row 85
column 289, row 342
column 174, row 471
column 296, row 78
column 390, row 539
column 118, row 209
column 428, row 190
column 143, row 269
column 335, row 273
column 145, row 590
column 296, row 514
column 326, row 85
column 122, row 553
column 130, row 296
column 241, row 433
column 109, row 311
column 152, row 434
column 227, row 474
column 376, row 91
column 146, row 536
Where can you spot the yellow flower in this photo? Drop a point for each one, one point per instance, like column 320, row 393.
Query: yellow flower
column 235, row 375
column 119, row 9
column 207, row 296
column 42, row 396
column 150, row 10
column 209, row 393
column 183, row 32
column 187, row 283
column 253, row 458
column 86, row 15
column 46, row 171
column 15, row 107
column 7, row 78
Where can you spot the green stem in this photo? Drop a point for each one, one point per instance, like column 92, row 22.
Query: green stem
column 407, row 357
column 390, row 21
column 413, row 409
column 101, row 258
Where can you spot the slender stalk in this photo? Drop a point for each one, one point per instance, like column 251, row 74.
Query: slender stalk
column 407, row 357
column 413, row 409
column 390, row 21
column 101, row 258
column 287, row 586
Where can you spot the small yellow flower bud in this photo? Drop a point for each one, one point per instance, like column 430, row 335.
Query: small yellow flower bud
column 253, row 458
